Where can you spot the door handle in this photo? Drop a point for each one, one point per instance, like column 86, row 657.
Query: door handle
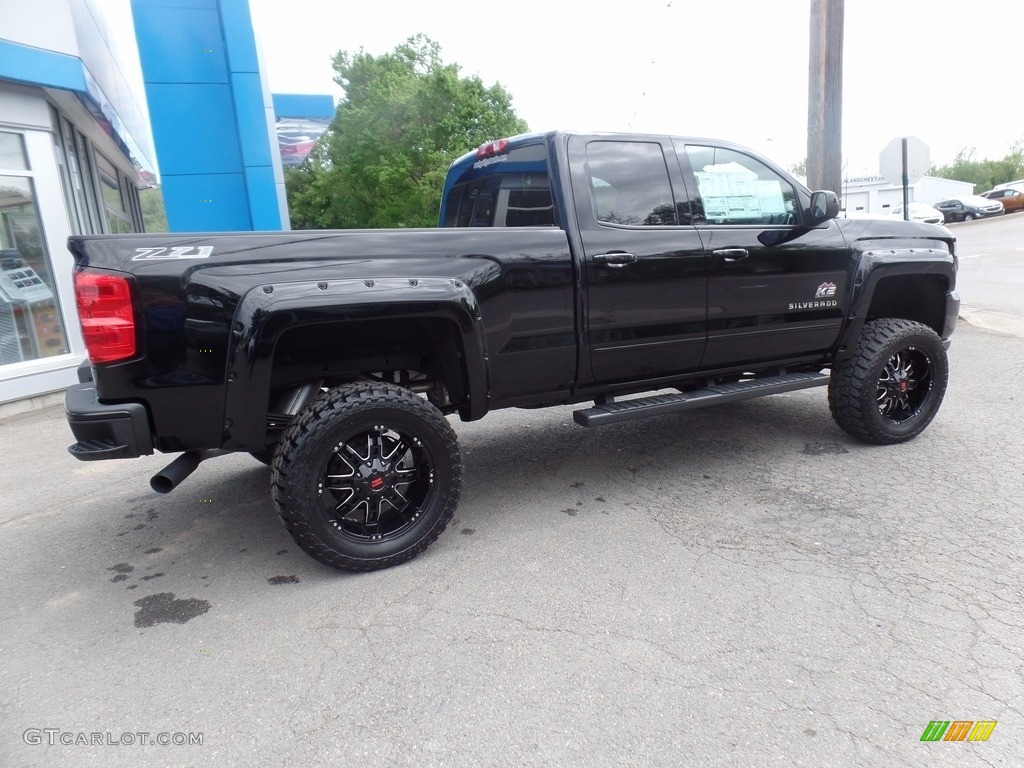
column 731, row 254
column 615, row 259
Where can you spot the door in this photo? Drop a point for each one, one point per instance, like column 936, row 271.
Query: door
column 645, row 281
column 776, row 291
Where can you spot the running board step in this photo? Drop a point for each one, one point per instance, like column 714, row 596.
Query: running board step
column 95, row 450
column 658, row 405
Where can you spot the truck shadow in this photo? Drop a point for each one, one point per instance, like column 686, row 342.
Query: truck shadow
column 221, row 522
column 541, row 461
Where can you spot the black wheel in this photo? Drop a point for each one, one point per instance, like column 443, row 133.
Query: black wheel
column 367, row 476
column 968, row 217
column 893, row 387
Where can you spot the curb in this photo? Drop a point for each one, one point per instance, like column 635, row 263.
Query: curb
column 1012, row 325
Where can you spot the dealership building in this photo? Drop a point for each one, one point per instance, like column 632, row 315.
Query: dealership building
column 877, row 195
column 98, row 100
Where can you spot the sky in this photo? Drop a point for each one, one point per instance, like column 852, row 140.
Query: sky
column 946, row 73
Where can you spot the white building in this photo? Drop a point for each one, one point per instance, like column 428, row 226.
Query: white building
column 876, row 195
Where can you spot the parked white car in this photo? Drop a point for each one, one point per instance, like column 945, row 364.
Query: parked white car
column 919, row 212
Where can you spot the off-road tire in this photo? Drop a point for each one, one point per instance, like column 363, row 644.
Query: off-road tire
column 891, row 389
column 367, row 476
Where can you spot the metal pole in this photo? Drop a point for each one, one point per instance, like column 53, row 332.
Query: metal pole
column 906, row 184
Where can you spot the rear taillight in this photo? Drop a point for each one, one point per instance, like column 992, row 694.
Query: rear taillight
column 105, row 311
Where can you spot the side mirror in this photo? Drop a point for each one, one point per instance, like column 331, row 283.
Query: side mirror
column 824, row 206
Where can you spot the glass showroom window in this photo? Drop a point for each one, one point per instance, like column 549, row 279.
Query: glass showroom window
column 77, row 180
column 30, row 322
column 88, row 184
column 118, row 218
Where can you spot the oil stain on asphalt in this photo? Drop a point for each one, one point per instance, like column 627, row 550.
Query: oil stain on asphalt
column 163, row 608
column 283, row 580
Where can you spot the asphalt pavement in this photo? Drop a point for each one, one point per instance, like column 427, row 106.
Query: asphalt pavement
column 737, row 586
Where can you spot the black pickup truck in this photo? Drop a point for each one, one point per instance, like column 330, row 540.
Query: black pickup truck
column 645, row 275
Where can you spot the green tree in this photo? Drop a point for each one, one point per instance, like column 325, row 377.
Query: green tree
column 405, row 116
column 154, row 216
column 984, row 174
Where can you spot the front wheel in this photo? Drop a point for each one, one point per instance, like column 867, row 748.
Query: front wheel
column 893, row 387
column 968, row 217
column 367, row 476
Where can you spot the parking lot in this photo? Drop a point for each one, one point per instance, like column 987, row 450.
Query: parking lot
column 743, row 585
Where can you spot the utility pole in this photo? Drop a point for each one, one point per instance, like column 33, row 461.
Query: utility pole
column 825, row 96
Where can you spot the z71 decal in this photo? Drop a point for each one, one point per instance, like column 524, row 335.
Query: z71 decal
column 173, row 252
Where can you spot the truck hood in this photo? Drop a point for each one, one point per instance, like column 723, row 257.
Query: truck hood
column 876, row 229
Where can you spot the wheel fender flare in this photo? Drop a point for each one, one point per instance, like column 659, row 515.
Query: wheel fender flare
column 269, row 310
column 881, row 260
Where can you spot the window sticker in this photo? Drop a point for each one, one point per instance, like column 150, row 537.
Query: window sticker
column 730, row 191
column 769, row 194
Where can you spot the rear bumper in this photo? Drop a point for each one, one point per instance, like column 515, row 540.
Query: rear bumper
column 105, row 431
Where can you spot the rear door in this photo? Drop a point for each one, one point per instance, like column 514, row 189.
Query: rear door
column 775, row 290
column 952, row 210
column 644, row 275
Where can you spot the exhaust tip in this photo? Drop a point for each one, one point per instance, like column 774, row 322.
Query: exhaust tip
column 161, row 483
column 170, row 477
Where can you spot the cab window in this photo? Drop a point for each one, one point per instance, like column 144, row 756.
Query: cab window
column 735, row 188
column 629, row 184
column 510, row 190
